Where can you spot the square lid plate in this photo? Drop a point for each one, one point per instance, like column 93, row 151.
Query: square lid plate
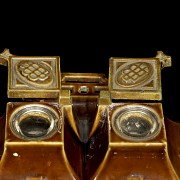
column 33, row 77
column 137, row 78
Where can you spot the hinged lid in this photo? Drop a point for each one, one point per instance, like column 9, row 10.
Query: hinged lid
column 33, row 76
column 137, row 78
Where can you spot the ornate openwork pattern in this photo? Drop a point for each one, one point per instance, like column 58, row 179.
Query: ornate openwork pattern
column 135, row 78
column 134, row 74
column 34, row 72
column 34, row 76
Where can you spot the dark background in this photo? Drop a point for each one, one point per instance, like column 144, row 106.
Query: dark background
column 83, row 57
column 85, row 36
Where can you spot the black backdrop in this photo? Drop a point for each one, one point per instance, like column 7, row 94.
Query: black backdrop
column 95, row 59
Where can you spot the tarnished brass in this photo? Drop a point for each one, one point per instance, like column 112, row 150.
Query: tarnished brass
column 137, row 78
column 85, row 126
column 4, row 57
column 84, row 83
column 33, row 77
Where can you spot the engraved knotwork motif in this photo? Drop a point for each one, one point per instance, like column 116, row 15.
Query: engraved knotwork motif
column 34, row 73
column 134, row 74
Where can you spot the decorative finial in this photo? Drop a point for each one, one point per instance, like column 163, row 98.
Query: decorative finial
column 4, row 56
column 164, row 59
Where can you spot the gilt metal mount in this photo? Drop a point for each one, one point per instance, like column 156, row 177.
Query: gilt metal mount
column 129, row 78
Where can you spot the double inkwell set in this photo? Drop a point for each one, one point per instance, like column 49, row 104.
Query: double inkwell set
column 84, row 126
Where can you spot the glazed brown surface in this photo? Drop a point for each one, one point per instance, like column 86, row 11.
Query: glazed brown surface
column 86, row 154
column 173, row 138
column 2, row 133
column 21, row 162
